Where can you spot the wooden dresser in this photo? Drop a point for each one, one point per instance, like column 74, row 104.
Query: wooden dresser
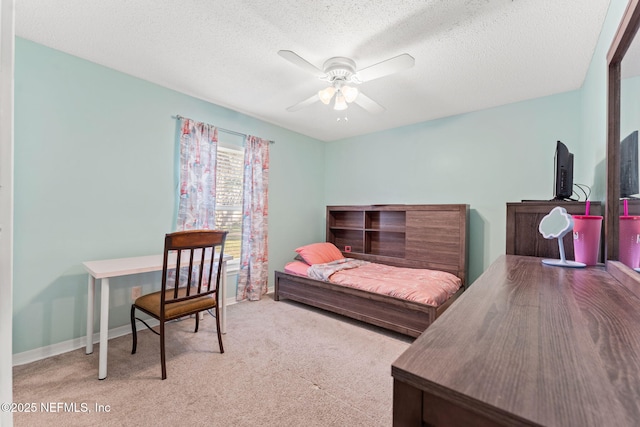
column 523, row 237
column 526, row 344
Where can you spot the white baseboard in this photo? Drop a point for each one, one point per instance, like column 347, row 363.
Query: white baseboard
column 76, row 343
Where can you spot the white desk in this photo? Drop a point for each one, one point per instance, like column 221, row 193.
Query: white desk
column 106, row 269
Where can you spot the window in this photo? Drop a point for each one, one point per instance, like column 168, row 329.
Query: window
column 229, row 173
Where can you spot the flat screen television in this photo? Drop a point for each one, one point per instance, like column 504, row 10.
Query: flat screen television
column 563, row 178
column 629, row 165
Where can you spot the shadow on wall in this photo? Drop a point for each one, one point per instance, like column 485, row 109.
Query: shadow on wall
column 61, row 299
column 62, row 308
column 598, row 189
column 478, row 245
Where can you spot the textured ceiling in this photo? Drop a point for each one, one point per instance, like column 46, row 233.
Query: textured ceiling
column 469, row 54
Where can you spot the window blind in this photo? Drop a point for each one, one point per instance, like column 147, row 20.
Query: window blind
column 229, row 172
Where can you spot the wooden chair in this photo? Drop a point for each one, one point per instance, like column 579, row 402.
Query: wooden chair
column 184, row 296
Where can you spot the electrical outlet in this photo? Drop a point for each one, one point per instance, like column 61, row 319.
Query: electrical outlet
column 136, row 291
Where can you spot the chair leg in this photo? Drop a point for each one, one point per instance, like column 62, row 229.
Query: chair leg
column 197, row 322
column 133, row 329
column 218, row 330
column 162, row 355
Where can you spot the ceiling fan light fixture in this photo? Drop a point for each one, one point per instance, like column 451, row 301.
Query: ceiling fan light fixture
column 341, row 103
column 350, row 93
column 326, row 94
column 341, row 75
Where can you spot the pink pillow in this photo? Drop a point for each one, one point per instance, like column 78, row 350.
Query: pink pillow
column 298, row 268
column 319, row 253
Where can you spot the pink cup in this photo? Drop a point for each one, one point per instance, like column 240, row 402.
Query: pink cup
column 586, row 238
column 629, row 241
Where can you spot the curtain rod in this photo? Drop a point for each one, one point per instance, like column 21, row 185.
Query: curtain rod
column 232, row 132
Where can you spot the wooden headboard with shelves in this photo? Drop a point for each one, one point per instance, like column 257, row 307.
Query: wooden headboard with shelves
column 415, row 236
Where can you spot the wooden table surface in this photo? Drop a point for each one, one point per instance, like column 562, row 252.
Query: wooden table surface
column 534, row 344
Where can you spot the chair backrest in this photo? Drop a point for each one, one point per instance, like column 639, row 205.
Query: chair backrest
column 197, row 256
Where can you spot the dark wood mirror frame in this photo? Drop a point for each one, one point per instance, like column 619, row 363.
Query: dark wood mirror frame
column 624, row 37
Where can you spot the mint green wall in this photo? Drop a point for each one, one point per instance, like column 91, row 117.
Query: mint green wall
column 95, row 178
column 485, row 159
column 594, row 101
column 629, row 106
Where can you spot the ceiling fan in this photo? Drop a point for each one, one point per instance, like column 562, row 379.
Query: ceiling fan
column 343, row 76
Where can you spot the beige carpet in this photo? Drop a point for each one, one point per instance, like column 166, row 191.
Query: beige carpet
column 284, row 364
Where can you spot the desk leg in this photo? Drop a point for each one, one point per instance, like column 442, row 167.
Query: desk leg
column 223, row 299
column 104, row 328
column 91, row 298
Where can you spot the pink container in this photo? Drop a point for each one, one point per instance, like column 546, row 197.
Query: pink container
column 586, row 238
column 629, row 241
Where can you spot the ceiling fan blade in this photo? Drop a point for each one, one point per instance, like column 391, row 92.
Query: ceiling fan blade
column 295, row 59
column 300, row 105
column 384, row 68
column 368, row 104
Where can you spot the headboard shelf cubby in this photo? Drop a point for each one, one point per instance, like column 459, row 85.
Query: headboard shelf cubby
column 400, row 234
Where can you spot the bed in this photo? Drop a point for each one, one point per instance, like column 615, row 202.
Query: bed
column 410, row 238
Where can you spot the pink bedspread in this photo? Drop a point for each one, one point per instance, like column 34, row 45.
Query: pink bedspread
column 429, row 287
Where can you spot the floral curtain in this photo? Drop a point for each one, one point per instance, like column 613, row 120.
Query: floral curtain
column 198, row 150
column 253, row 277
column 197, row 206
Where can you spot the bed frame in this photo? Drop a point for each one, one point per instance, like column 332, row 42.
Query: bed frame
column 416, row 236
